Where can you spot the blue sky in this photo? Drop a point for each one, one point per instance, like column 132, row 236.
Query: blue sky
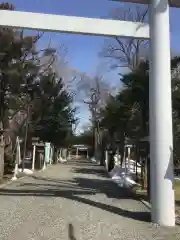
column 83, row 50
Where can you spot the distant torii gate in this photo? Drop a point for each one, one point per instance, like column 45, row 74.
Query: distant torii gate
column 162, row 193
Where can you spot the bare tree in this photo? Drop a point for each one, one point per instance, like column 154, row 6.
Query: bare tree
column 93, row 93
column 87, row 87
column 126, row 52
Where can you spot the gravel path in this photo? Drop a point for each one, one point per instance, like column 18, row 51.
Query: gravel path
column 74, row 201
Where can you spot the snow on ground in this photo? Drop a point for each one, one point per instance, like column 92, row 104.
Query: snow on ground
column 25, row 171
column 177, row 178
column 62, row 160
column 121, row 175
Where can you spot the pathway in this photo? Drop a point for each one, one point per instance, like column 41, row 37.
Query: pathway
column 74, row 201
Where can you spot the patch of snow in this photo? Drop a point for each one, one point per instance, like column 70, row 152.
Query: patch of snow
column 62, row 160
column 93, row 159
column 132, row 166
column 26, row 171
column 121, row 177
column 177, row 178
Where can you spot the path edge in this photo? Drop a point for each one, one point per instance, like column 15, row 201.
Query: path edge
column 9, row 182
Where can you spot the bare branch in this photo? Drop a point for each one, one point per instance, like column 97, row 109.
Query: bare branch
column 126, row 52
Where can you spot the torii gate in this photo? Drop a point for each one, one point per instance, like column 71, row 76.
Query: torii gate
column 162, row 193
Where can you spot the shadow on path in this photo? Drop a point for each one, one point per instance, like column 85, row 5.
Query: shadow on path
column 81, row 162
column 76, row 190
column 94, row 171
column 71, row 232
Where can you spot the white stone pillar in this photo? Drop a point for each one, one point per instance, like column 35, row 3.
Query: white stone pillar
column 107, row 160
column 17, row 160
column 129, row 156
column 161, row 141
column 77, row 152
column 34, row 155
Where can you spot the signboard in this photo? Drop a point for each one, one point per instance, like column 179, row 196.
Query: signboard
column 47, row 152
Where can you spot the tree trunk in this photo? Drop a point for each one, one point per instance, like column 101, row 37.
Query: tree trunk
column 1, row 157
column 148, row 179
column 111, row 161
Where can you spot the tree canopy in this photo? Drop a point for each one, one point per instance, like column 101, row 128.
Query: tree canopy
column 127, row 113
column 31, row 92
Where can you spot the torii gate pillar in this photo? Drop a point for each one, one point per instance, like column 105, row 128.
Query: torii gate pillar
column 160, row 101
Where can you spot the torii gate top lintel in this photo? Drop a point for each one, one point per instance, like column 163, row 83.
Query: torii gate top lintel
column 73, row 24
column 172, row 3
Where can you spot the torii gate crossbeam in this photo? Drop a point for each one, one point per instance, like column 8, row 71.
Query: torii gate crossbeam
column 72, row 24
